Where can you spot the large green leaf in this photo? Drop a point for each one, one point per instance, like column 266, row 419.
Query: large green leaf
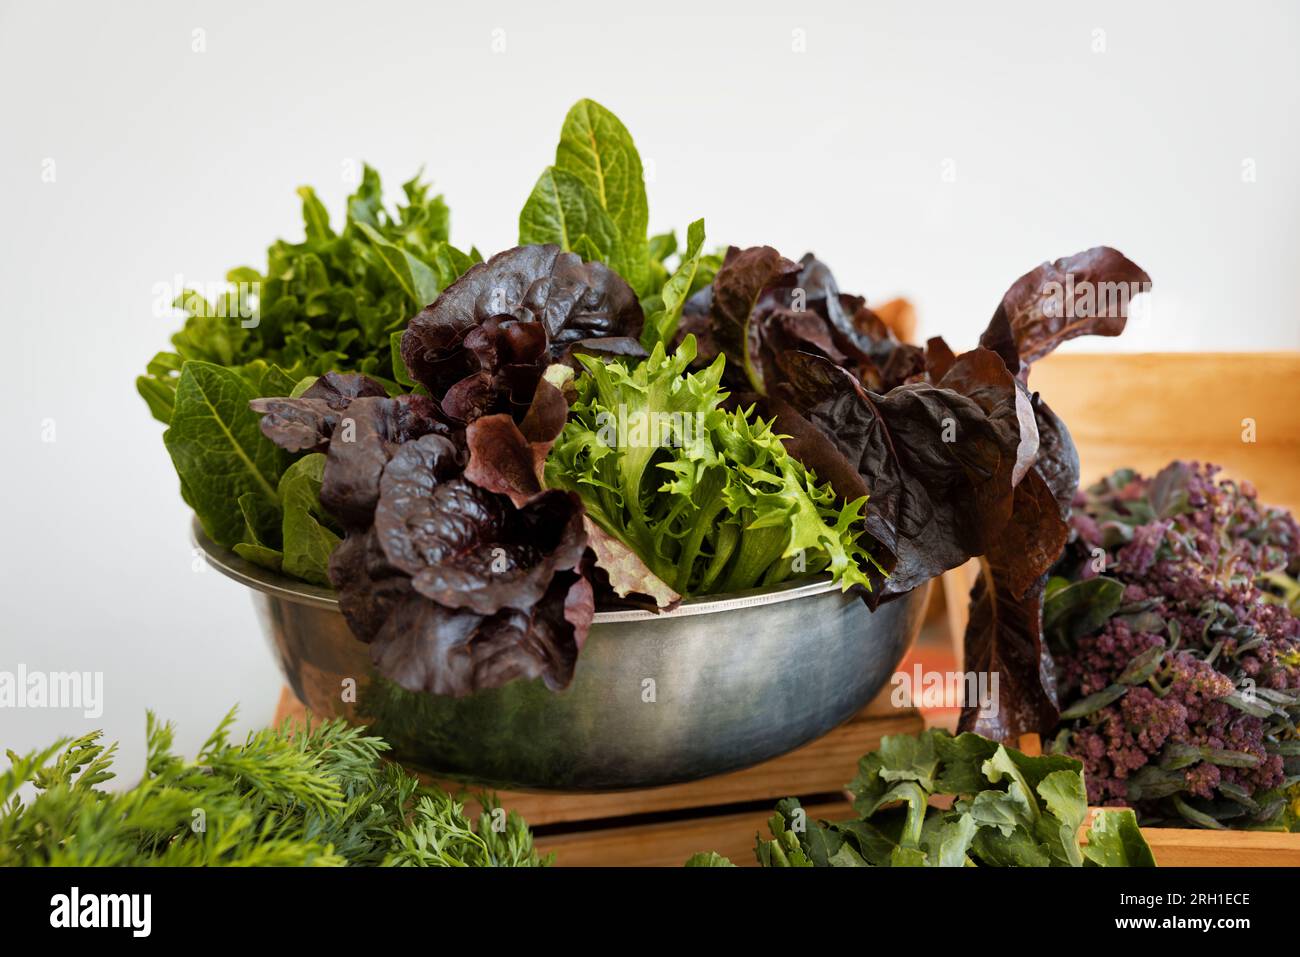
column 218, row 449
column 262, row 536
column 597, row 149
column 416, row 278
column 1114, row 840
column 562, row 210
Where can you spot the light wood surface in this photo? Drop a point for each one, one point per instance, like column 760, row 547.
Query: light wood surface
column 824, row 766
column 1146, row 410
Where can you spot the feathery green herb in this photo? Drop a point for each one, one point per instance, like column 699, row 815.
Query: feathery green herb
column 321, row 796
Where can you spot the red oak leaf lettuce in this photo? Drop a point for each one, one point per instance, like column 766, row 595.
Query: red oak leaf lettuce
column 762, row 309
column 1084, row 294
column 957, row 457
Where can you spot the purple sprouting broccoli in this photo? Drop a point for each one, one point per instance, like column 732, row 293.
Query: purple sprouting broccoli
column 1178, row 663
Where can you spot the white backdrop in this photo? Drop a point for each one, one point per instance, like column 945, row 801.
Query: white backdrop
column 936, row 150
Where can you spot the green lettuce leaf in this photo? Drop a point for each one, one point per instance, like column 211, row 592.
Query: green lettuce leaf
column 597, row 150
column 216, row 444
column 307, row 534
column 661, row 324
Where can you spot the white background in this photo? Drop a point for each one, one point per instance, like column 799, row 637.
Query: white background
column 1061, row 126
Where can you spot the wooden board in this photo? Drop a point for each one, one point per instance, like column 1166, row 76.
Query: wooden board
column 821, row 767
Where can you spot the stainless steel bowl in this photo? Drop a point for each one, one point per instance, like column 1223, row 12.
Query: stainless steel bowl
column 715, row 685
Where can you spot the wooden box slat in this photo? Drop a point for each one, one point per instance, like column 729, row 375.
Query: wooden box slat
column 670, row 844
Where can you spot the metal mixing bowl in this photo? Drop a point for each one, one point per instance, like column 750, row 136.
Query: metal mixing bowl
column 715, row 685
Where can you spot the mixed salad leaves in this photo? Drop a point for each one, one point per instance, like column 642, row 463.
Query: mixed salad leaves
column 596, row 414
column 1003, row 808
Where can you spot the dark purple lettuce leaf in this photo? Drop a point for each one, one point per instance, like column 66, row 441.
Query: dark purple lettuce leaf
column 933, row 504
column 483, row 344
column 738, row 287
column 1042, row 309
column 938, row 358
column 1008, row 642
column 423, row 646
column 306, row 423
column 1084, row 294
column 491, row 592
column 762, row 308
column 455, row 587
column 371, row 427
column 338, row 389
column 466, row 547
column 507, row 458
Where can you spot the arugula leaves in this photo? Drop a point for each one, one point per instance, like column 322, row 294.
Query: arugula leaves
column 1011, row 810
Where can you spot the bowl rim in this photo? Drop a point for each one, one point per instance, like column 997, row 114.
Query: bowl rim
column 285, row 588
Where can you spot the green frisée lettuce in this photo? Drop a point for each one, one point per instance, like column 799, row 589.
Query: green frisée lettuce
column 707, row 497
